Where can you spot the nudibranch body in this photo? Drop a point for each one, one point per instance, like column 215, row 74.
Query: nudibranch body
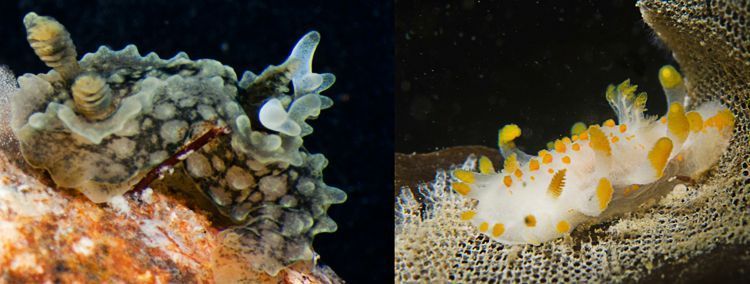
column 597, row 172
column 108, row 122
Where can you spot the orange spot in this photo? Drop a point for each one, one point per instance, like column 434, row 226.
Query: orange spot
column 695, row 120
column 609, row 123
column 483, row 227
column 663, row 120
column 680, row 158
column 560, row 146
column 566, row 160
column 630, row 189
column 530, row 220
column 547, row 158
column 566, row 140
column 518, row 173
column 550, row 170
column 576, row 147
column 507, row 181
column 461, row 188
column 563, row 227
column 533, row 165
column 575, row 138
column 623, row 128
column 585, row 135
column 533, row 178
column 468, row 215
column 615, row 139
column 498, row 230
column 723, row 119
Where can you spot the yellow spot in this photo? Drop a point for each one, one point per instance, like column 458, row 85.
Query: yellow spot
column 630, row 189
column 461, row 188
column 623, row 128
column 615, row 139
column 498, row 230
column 508, row 133
column 557, row 183
column 550, row 145
column 576, row 147
column 677, row 122
column 510, row 164
column 669, row 77
column 533, row 165
column 609, row 123
column 465, row 176
column 695, row 120
column 574, row 138
column 507, row 181
column 566, row 160
column 659, row 155
column 584, row 135
column 542, row 152
column 518, row 173
column 530, row 220
column 483, row 227
column 468, row 215
column 563, row 227
column 599, row 141
column 532, row 178
column 566, row 140
column 578, row 128
column 546, row 158
column 560, row 146
column 604, row 193
column 724, row 118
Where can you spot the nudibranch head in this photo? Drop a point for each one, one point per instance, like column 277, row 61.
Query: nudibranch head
column 599, row 171
column 115, row 120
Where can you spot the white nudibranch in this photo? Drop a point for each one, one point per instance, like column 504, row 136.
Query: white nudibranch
column 597, row 172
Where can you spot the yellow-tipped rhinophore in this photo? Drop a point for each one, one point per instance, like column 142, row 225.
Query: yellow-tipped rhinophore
column 508, row 133
column 669, row 77
column 92, row 96
column 52, row 43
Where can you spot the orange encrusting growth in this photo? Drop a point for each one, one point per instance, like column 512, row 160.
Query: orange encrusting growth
column 659, row 155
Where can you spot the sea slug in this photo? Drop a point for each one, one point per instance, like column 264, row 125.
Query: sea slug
column 597, row 172
column 115, row 120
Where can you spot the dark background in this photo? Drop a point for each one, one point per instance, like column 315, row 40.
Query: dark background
column 356, row 135
column 467, row 68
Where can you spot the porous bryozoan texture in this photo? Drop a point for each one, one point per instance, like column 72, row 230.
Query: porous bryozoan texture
column 114, row 117
column 712, row 45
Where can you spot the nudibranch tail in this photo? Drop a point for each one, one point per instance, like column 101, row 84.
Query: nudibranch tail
column 599, row 171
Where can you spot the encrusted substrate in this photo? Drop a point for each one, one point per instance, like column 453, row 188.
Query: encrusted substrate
column 52, row 235
column 129, row 115
column 712, row 45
